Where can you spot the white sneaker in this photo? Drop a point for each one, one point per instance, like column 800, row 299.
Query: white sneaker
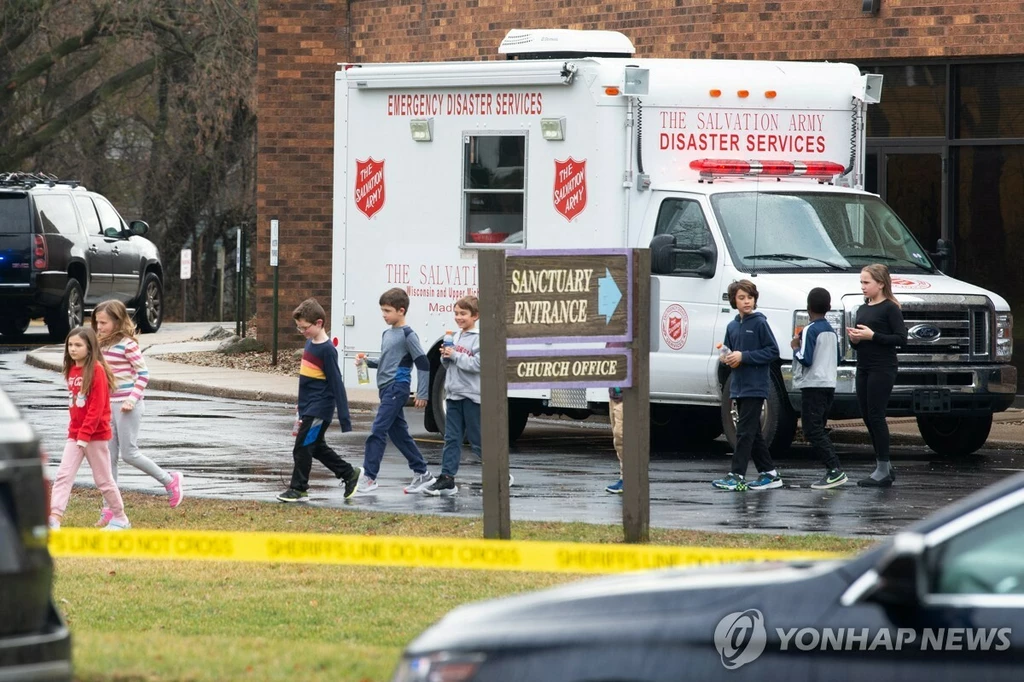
column 366, row 486
column 54, row 523
column 511, row 480
column 420, row 482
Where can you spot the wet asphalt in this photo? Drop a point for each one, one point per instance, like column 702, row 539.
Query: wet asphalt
column 232, row 449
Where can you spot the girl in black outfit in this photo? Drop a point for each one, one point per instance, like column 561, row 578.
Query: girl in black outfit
column 879, row 329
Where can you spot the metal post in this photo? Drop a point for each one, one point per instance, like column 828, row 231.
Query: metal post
column 636, row 411
column 494, row 395
column 245, row 276
column 238, row 282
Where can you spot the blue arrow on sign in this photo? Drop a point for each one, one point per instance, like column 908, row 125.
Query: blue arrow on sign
column 608, row 296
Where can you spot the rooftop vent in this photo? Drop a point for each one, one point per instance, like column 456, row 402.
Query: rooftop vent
column 562, row 43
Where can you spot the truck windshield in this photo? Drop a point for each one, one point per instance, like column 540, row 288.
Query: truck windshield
column 769, row 231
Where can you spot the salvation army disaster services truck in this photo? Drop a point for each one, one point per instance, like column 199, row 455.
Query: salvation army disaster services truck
column 724, row 169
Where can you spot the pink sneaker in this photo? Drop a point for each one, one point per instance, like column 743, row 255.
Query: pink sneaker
column 174, row 491
column 105, row 516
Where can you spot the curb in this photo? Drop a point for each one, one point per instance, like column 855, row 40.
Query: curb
column 200, row 389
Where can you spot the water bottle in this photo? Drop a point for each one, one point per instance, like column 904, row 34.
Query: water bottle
column 362, row 369
column 298, row 423
column 449, row 339
column 723, row 350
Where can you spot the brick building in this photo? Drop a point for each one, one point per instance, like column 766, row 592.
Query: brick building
column 946, row 146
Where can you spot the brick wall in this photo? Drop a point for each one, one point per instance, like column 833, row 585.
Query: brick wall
column 300, row 43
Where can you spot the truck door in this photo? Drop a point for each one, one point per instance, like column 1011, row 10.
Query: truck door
column 100, row 258
column 126, row 261
column 688, row 302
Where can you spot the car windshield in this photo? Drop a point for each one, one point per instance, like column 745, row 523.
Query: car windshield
column 813, row 230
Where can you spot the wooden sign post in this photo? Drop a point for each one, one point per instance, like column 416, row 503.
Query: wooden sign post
column 565, row 297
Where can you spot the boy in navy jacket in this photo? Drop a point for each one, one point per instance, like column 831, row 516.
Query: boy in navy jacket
column 752, row 350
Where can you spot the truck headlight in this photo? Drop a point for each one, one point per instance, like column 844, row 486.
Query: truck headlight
column 1004, row 336
column 440, row 667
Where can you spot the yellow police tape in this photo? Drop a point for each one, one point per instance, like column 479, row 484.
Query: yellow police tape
column 356, row 550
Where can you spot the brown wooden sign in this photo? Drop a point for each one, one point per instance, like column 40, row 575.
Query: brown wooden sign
column 566, row 295
column 576, row 368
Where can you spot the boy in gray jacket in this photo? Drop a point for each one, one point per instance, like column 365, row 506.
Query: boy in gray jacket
column 461, row 361
column 815, row 359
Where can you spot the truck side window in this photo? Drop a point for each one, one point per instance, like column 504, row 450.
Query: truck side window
column 57, row 214
column 108, row 216
column 684, row 219
column 494, row 189
column 88, row 213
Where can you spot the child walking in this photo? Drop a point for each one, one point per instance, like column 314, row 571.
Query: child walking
column 615, row 418
column 462, row 384
column 88, row 379
column 321, row 389
column 116, row 333
column 752, row 351
column 816, row 351
column 400, row 350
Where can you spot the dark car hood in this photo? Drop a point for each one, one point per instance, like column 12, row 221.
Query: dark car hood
column 645, row 604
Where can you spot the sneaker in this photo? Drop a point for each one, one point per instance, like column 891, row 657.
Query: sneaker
column 615, row 488
column 765, row 482
column 352, row 483
column 174, row 492
column 731, row 482
column 366, row 486
column 420, row 482
column 118, row 524
column 105, row 516
column 293, row 495
column 444, row 486
column 831, row 479
column 511, row 480
column 54, row 523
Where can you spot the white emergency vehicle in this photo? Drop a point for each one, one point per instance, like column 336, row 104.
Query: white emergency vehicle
column 724, row 169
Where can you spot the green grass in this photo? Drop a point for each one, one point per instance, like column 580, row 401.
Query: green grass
column 175, row 620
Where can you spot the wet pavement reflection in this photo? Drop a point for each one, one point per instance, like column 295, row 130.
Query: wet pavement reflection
column 242, row 449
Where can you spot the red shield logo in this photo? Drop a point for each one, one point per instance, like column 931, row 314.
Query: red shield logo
column 369, row 186
column 570, row 187
column 675, row 326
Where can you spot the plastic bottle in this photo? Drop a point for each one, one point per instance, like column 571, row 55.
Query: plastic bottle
column 298, row 423
column 723, row 349
column 449, row 339
column 362, row 369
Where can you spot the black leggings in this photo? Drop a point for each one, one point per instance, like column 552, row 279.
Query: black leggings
column 873, row 389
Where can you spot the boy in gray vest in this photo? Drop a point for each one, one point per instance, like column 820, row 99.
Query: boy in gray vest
column 815, row 359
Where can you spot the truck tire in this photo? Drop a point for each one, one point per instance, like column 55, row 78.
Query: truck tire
column 954, row 436
column 14, row 327
column 518, row 413
column 778, row 421
column 149, row 313
column 69, row 314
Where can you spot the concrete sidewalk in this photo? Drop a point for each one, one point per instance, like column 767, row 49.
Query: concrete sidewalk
column 181, row 337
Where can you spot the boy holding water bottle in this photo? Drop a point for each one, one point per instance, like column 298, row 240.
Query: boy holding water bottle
column 321, row 389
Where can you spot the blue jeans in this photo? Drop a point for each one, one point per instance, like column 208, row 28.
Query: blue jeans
column 390, row 423
column 463, row 420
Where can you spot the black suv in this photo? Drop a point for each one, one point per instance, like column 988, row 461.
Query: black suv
column 34, row 642
column 64, row 249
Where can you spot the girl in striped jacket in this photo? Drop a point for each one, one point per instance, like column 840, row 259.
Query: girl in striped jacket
column 121, row 350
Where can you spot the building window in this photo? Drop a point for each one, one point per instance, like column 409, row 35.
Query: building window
column 913, row 102
column 494, row 189
column 989, row 100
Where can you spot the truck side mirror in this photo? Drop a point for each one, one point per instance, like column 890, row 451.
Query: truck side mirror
column 945, row 255
column 664, row 251
column 138, row 227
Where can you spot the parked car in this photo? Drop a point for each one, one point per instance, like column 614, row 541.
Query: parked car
column 942, row 601
column 63, row 249
column 34, row 642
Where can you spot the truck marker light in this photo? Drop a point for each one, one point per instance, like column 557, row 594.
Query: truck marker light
column 742, row 93
column 715, row 92
column 611, row 91
column 770, row 94
column 808, row 169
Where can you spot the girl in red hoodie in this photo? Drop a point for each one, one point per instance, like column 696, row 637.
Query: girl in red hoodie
column 89, row 381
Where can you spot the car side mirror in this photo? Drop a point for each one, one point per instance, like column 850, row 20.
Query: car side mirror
column 112, row 233
column 898, row 579
column 945, row 255
column 664, row 251
column 138, row 227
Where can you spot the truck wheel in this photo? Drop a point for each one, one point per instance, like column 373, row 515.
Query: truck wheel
column 778, row 421
column 150, row 310
column 14, row 327
column 954, row 436
column 69, row 314
column 518, row 413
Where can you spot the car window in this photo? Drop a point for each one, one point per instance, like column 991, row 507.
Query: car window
column 89, row 217
column 14, row 215
column 985, row 559
column 57, row 213
column 108, row 216
column 685, row 220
